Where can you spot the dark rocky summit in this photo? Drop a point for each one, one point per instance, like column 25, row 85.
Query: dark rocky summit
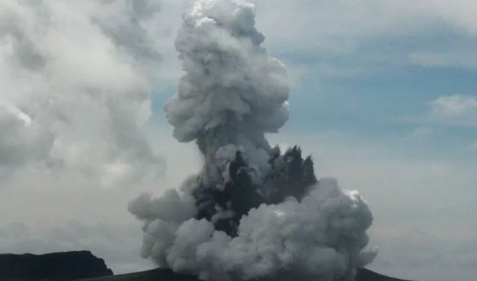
column 52, row 267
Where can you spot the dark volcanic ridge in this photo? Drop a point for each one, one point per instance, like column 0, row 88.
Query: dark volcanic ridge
column 168, row 275
column 52, row 267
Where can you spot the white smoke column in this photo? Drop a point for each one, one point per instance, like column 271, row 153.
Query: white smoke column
column 232, row 92
column 231, row 95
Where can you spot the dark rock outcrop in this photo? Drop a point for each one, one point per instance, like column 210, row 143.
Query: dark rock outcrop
column 52, row 267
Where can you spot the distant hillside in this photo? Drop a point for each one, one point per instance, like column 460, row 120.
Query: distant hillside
column 52, row 267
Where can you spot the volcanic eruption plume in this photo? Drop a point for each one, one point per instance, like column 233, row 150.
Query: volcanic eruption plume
column 252, row 211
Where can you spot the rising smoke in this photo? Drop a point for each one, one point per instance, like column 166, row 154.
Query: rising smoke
column 75, row 80
column 253, row 211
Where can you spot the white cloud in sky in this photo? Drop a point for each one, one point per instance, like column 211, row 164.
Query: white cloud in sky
column 459, row 13
column 456, row 109
column 335, row 27
column 76, row 78
column 350, row 38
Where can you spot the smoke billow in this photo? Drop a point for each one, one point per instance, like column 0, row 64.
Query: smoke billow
column 253, row 211
column 75, row 80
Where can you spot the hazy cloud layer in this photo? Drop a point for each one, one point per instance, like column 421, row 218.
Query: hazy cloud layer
column 421, row 249
column 346, row 38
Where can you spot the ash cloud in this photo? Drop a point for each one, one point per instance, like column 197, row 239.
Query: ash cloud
column 252, row 211
column 76, row 77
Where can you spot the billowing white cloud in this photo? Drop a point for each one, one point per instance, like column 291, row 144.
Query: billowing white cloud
column 235, row 219
column 76, row 78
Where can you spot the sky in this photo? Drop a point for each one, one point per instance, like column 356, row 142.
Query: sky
column 383, row 96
